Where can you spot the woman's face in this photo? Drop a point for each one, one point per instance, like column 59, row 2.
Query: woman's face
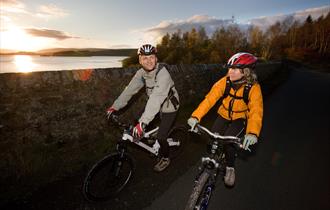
column 235, row 74
column 148, row 62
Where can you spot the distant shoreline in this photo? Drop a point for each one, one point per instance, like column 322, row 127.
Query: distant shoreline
column 62, row 55
column 72, row 52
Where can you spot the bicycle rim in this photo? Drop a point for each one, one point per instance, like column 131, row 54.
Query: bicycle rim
column 196, row 192
column 108, row 177
column 177, row 134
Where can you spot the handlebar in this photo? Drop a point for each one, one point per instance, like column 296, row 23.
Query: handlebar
column 128, row 128
column 225, row 139
column 115, row 119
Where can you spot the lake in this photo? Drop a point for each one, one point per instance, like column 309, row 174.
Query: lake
column 31, row 63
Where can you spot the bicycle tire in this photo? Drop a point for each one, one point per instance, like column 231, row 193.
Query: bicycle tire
column 196, row 192
column 178, row 134
column 108, row 177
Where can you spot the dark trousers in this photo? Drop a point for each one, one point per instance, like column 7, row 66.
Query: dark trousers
column 229, row 128
column 166, row 123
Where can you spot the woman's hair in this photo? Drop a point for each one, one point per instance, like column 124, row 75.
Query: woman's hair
column 250, row 76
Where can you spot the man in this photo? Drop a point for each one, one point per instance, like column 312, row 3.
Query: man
column 163, row 99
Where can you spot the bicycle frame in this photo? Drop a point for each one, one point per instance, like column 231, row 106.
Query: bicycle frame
column 110, row 175
column 216, row 157
column 211, row 165
column 154, row 149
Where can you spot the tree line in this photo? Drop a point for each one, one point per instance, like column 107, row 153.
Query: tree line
column 289, row 39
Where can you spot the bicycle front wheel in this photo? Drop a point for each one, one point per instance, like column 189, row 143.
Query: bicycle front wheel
column 108, row 177
column 196, row 192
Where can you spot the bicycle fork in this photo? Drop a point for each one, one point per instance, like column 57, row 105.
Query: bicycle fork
column 211, row 167
column 118, row 164
column 206, row 195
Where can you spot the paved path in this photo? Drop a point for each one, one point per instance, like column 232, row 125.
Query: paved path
column 291, row 166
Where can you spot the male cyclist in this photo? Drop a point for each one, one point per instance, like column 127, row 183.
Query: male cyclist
column 236, row 116
column 163, row 99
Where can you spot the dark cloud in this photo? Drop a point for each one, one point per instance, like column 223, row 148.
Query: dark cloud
column 48, row 33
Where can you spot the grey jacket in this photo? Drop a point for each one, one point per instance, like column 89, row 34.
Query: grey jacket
column 159, row 86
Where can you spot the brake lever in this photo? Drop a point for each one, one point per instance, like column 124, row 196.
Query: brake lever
column 194, row 130
column 240, row 145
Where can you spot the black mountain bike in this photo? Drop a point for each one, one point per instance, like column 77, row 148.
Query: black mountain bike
column 211, row 165
column 110, row 175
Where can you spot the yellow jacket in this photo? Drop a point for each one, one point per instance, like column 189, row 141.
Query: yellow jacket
column 253, row 112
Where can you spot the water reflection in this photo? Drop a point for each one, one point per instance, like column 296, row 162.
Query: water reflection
column 27, row 63
column 24, row 63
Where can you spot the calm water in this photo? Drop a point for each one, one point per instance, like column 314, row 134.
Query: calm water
column 28, row 63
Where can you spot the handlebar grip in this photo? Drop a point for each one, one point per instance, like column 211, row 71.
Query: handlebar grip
column 114, row 117
column 116, row 120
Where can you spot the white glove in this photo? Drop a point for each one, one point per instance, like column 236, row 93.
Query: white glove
column 249, row 139
column 192, row 122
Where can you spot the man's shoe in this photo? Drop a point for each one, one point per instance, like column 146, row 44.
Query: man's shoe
column 162, row 164
column 230, row 176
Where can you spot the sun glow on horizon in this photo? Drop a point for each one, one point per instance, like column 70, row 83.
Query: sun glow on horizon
column 17, row 39
column 24, row 63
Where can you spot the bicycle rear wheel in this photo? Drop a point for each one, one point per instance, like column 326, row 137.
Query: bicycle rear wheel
column 196, row 192
column 177, row 135
column 108, row 177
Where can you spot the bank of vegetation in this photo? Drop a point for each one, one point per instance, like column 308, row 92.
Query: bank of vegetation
column 101, row 52
column 306, row 42
column 77, row 52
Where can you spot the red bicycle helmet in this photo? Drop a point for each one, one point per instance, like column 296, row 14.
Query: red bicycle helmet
column 147, row 49
column 242, row 60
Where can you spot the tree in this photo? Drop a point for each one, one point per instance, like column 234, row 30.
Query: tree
column 163, row 47
column 287, row 39
column 256, row 39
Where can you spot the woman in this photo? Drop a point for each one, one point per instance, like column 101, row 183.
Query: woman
column 241, row 110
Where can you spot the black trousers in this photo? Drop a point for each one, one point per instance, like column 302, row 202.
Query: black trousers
column 165, row 122
column 229, row 128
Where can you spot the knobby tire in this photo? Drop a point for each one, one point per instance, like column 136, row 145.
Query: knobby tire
column 195, row 194
column 108, row 177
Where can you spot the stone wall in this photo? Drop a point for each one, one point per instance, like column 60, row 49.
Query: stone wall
column 52, row 124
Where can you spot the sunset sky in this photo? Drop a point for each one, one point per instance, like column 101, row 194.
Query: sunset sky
column 34, row 25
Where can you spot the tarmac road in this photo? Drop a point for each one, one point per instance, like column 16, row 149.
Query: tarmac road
column 290, row 168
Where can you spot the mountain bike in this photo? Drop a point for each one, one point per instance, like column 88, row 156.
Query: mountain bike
column 211, row 166
column 110, row 175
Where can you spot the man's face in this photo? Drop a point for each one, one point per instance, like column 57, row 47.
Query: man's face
column 148, row 62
